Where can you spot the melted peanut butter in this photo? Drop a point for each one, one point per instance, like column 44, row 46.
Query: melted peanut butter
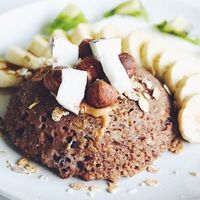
column 98, row 112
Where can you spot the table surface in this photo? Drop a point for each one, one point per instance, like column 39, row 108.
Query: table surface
column 6, row 5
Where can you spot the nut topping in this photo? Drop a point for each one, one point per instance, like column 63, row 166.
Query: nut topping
column 93, row 68
column 101, row 94
column 84, row 49
column 128, row 62
column 52, row 79
column 58, row 113
column 156, row 93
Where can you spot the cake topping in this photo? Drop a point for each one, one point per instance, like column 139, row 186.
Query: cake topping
column 112, row 187
column 156, row 93
column 106, row 51
column 63, row 52
column 194, row 173
column 144, row 105
column 53, row 79
column 148, row 84
column 93, row 68
column 85, row 49
column 58, row 113
column 128, row 62
column 152, row 169
column 33, row 104
column 72, row 89
column 151, row 182
column 29, row 167
column 101, row 94
column 68, row 86
column 103, row 113
column 23, row 166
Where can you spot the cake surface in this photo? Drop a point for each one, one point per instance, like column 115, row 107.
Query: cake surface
column 106, row 143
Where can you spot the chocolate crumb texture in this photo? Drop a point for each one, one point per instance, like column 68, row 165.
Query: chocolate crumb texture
column 85, row 145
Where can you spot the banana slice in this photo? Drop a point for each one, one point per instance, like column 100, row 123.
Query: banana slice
column 2, row 65
column 18, row 56
column 181, row 70
column 151, row 51
column 123, row 24
column 39, row 47
column 9, row 78
column 188, row 88
column 59, row 32
column 189, row 119
column 133, row 43
column 108, row 31
column 82, row 31
column 167, row 59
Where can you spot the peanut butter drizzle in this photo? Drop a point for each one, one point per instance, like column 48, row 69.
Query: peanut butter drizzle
column 97, row 112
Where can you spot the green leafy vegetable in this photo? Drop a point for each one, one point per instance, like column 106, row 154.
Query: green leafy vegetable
column 178, row 27
column 68, row 19
column 131, row 7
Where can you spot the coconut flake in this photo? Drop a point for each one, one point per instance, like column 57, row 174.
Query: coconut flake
column 72, row 89
column 106, row 51
column 156, row 93
column 143, row 104
column 63, row 52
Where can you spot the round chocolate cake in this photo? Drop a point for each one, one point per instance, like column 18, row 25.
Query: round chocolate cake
column 120, row 139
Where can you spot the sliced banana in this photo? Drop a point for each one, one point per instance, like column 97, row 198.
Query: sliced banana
column 189, row 119
column 151, row 51
column 18, row 56
column 59, row 32
column 133, row 43
column 2, row 65
column 187, row 88
column 9, row 78
column 167, row 59
column 82, row 31
column 108, row 31
column 123, row 24
column 39, row 47
column 181, row 70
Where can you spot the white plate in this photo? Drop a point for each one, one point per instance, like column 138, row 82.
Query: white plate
column 17, row 27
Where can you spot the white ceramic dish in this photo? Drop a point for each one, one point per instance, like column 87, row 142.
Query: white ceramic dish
column 17, row 27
